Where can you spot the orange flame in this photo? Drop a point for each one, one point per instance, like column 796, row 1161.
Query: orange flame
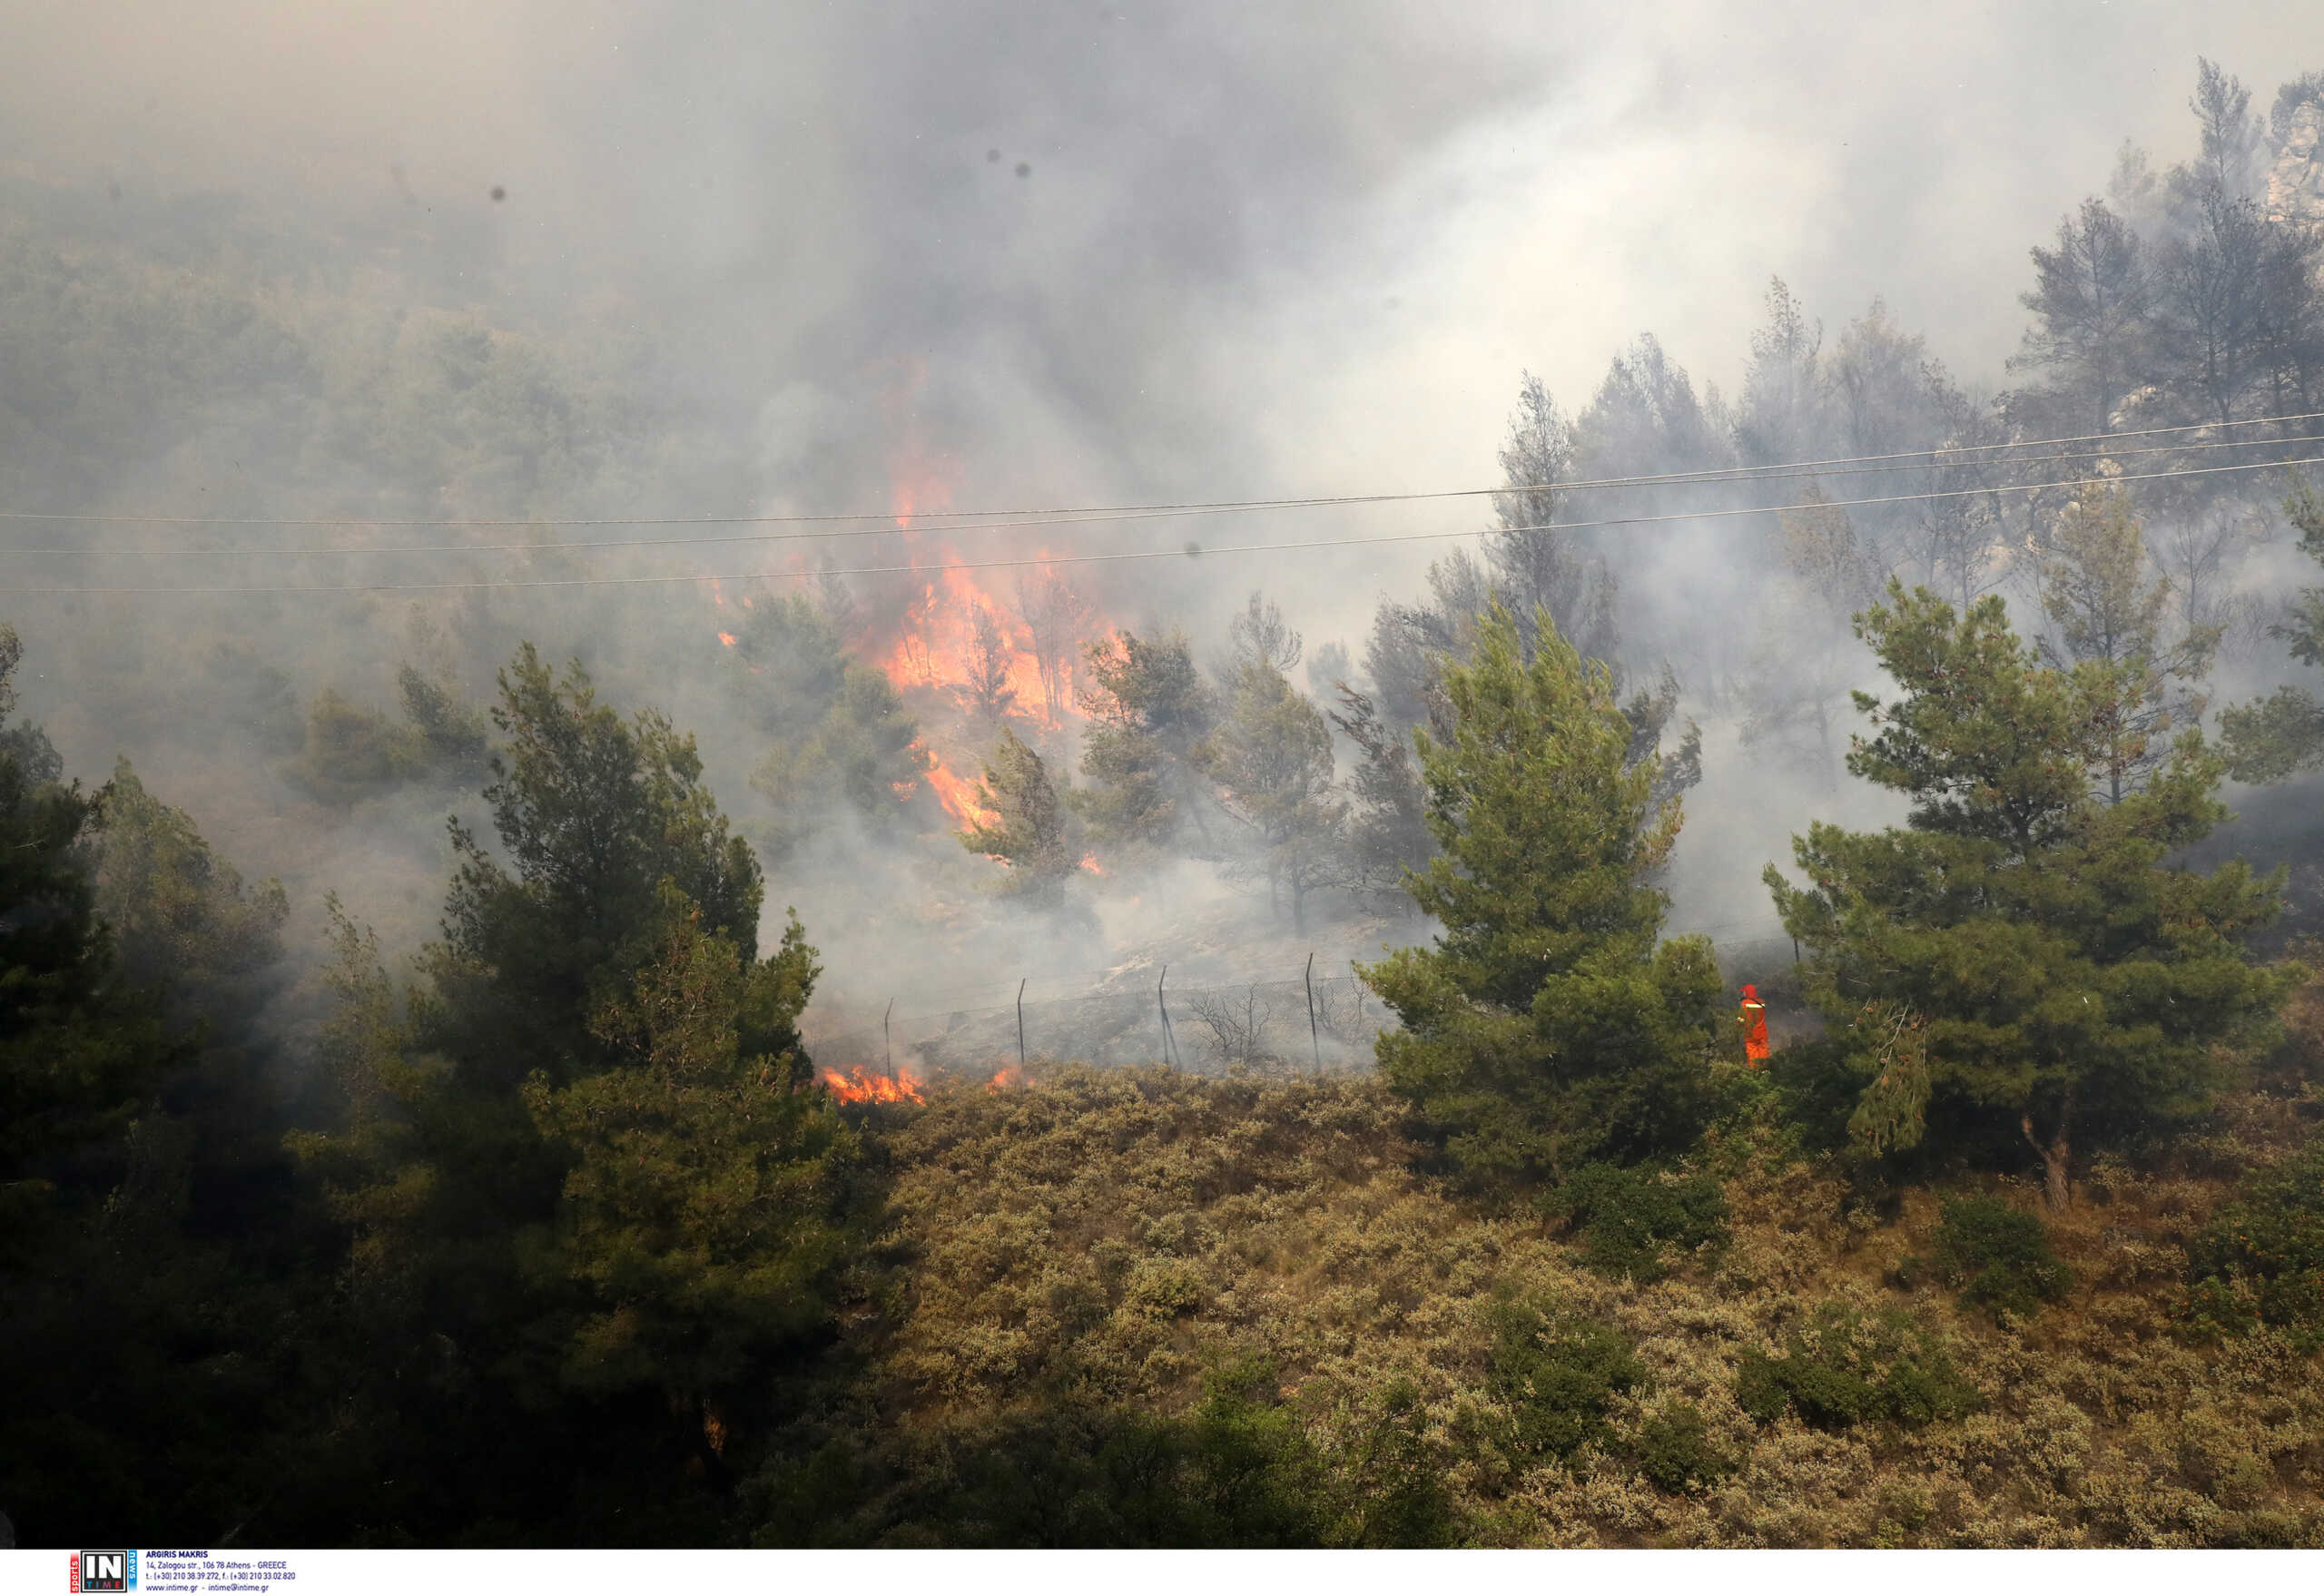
column 958, row 797
column 1007, row 1078
column 860, row 1086
column 727, row 638
column 1089, row 864
column 938, row 644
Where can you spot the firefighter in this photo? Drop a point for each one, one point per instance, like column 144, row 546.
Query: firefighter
column 1754, row 1021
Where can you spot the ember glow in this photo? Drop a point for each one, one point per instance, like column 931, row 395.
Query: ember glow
column 863, row 1085
column 727, row 638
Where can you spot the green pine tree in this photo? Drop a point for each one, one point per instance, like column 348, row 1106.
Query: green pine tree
column 2019, row 959
column 1271, row 756
column 1549, row 1025
column 1030, row 826
column 702, row 1214
column 1147, row 711
column 2275, row 738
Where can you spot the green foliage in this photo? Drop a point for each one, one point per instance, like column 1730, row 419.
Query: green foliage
column 1999, row 1255
column 2261, row 1260
column 1396, row 1477
column 839, row 738
column 1554, row 1378
column 1548, row 1026
column 2070, row 983
column 1238, row 1469
column 2274, row 738
column 1844, row 1368
column 449, row 730
column 2110, row 619
column 1271, row 755
column 352, row 751
column 183, row 922
column 1632, row 1220
column 1030, row 829
column 1147, row 713
column 78, row 1050
column 1674, row 1452
column 1388, row 833
column 702, row 1210
column 593, row 1195
column 594, row 814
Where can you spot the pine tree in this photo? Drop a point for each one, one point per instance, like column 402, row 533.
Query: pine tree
column 2110, row 620
column 1147, row 711
column 2276, row 737
column 1548, row 1025
column 702, row 1209
column 1388, row 830
column 79, row 1051
column 2017, row 960
column 1271, row 756
column 1030, row 829
column 2091, row 299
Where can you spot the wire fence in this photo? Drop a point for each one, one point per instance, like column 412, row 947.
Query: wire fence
column 1318, row 1024
column 1322, row 1021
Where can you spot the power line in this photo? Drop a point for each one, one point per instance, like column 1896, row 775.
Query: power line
column 1189, row 550
column 1055, row 515
column 1061, row 518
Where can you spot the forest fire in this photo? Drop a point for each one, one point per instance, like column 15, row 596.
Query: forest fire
column 862, row 1085
column 1008, row 1075
column 957, row 796
column 957, row 635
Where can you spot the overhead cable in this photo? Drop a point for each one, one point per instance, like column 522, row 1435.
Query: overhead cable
column 1957, row 454
column 1187, row 550
column 1060, row 518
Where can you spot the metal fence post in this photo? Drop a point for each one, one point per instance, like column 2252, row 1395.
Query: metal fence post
column 1163, row 1005
column 1315, row 1043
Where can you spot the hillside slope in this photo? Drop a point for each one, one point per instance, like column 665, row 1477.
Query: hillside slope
column 1144, row 1308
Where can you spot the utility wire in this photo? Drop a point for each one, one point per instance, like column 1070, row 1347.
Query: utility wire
column 1189, row 550
column 1060, row 518
column 1191, row 506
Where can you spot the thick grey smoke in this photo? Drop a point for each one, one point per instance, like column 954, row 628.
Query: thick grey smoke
column 968, row 254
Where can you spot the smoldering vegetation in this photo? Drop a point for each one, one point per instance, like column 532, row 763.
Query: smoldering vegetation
column 489, row 803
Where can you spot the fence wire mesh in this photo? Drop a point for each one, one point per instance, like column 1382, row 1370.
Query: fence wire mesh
column 1260, row 1027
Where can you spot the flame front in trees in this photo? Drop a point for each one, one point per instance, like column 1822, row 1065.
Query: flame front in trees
column 958, row 797
column 955, row 634
column 863, row 1085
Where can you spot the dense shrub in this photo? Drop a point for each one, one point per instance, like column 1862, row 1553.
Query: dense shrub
column 1632, row 1220
column 1998, row 1254
column 1555, row 1377
column 1396, row 1477
column 2261, row 1261
column 1846, row 1367
column 1676, row 1453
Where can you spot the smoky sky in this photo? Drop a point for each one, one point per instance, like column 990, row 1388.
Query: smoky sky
column 1053, row 252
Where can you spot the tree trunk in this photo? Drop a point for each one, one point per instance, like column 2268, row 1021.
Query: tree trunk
column 2057, row 1190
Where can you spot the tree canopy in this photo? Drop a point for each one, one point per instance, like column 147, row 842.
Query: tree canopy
column 2065, row 981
